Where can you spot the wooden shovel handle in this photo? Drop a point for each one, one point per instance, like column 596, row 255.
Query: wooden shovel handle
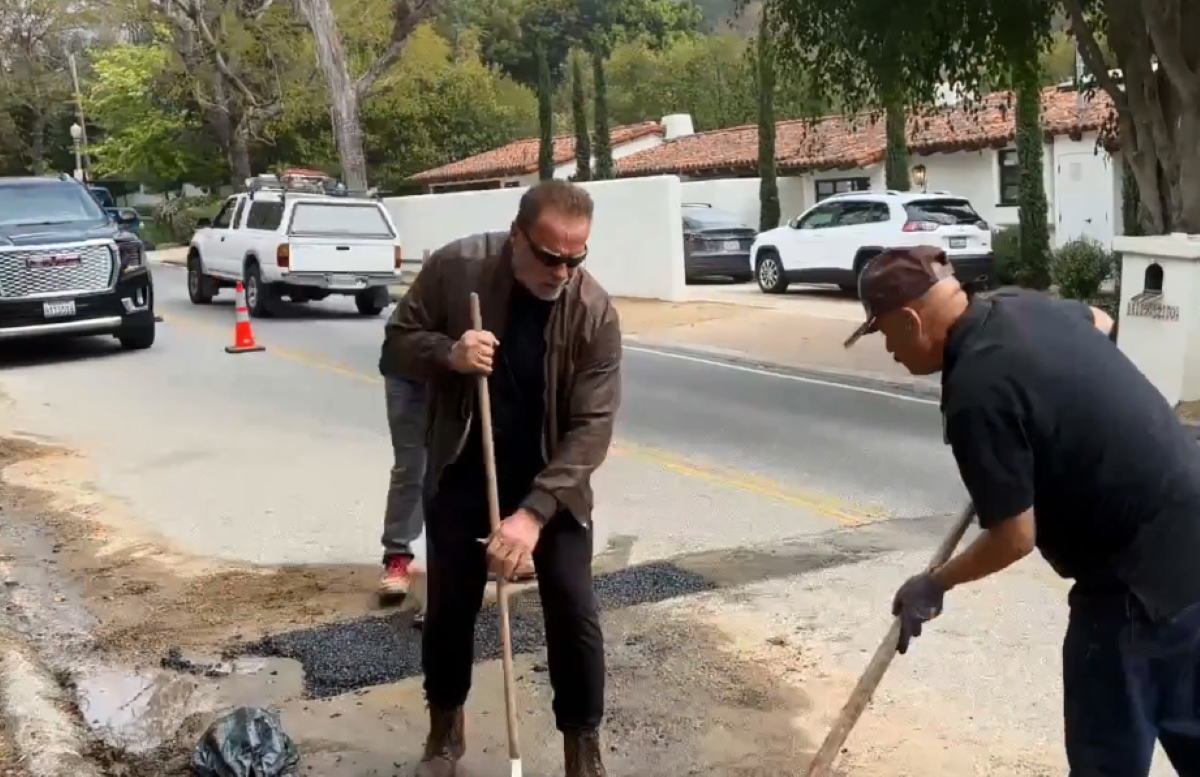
column 493, row 496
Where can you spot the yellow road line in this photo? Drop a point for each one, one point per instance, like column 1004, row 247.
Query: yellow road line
column 841, row 511
column 838, row 510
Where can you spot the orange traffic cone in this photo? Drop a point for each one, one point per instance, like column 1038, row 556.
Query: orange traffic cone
column 243, row 336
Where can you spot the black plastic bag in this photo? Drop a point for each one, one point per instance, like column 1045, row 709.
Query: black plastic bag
column 248, row 742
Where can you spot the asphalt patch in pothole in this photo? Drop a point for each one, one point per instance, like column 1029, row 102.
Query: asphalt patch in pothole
column 343, row 657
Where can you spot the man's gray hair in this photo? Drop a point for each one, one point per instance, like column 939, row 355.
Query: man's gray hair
column 562, row 197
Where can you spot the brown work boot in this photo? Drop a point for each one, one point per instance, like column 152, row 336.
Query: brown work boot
column 582, row 754
column 446, row 744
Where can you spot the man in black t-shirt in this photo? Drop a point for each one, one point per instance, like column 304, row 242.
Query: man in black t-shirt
column 1065, row 446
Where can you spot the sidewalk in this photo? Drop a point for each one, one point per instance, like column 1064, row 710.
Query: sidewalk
column 797, row 336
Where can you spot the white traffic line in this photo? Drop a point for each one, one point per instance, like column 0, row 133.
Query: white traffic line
column 781, row 375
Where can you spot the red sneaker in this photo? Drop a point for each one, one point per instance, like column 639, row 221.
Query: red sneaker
column 396, row 577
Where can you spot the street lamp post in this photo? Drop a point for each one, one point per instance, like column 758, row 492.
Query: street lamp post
column 77, row 138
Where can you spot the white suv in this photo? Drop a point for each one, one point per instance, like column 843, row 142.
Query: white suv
column 830, row 242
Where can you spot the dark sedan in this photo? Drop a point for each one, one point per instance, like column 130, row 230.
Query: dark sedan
column 716, row 244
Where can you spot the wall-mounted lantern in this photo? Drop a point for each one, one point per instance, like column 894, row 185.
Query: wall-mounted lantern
column 919, row 176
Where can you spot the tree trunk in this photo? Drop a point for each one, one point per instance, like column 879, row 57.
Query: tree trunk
column 583, row 139
column 896, row 159
column 37, row 142
column 768, row 185
column 239, row 155
column 545, row 95
column 343, row 95
column 605, row 169
column 1158, row 108
column 1034, row 247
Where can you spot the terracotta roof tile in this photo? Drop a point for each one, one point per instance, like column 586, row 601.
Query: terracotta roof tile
column 838, row 142
column 520, row 156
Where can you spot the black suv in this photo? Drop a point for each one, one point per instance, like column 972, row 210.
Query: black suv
column 67, row 267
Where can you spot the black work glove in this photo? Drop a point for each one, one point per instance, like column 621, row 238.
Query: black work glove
column 918, row 600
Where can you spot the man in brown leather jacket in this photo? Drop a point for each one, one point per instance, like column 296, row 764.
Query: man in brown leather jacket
column 551, row 346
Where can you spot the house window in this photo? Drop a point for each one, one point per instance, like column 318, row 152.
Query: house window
column 828, row 187
column 1010, row 188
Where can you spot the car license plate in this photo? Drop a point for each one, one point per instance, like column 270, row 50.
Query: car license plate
column 732, row 246
column 958, row 242
column 58, row 309
column 345, row 280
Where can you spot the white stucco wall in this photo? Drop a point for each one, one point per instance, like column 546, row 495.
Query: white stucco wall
column 636, row 247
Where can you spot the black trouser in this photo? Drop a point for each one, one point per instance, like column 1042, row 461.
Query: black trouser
column 457, row 574
column 1126, row 683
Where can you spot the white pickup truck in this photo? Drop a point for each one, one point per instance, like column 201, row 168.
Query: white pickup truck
column 302, row 245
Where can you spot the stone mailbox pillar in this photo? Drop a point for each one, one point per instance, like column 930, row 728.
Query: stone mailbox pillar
column 1159, row 326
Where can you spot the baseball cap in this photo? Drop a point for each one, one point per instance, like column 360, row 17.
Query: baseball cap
column 896, row 278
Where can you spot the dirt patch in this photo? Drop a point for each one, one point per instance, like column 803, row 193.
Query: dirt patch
column 893, row 738
column 641, row 316
column 1188, row 411
column 145, row 594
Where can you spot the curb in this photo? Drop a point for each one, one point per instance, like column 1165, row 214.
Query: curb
column 47, row 739
column 919, row 390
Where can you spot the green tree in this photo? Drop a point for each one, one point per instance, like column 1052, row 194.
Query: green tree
column 1034, row 257
column 605, row 168
column 242, row 59
column 507, row 26
column 35, row 85
column 712, row 77
column 545, row 117
column 842, row 43
column 768, row 191
column 147, row 128
column 438, row 104
column 346, row 92
column 583, row 140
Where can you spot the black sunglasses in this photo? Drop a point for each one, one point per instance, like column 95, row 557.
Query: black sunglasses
column 551, row 259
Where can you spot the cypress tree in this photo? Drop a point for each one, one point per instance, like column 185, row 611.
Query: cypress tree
column 1034, row 248
column 545, row 117
column 583, row 140
column 768, row 186
column 602, row 135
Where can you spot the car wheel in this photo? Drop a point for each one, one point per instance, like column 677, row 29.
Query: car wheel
column 201, row 288
column 137, row 338
column 771, row 277
column 371, row 302
column 260, row 296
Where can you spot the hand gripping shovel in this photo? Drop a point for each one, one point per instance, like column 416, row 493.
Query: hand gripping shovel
column 860, row 697
column 493, row 493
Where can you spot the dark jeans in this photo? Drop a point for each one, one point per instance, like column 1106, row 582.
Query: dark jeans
column 406, row 423
column 1126, row 683
column 457, row 573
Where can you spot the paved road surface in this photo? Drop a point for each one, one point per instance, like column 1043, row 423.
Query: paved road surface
column 282, row 457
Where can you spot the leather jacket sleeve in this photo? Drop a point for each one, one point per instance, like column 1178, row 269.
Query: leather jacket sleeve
column 415, row 346
column 593, row 403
